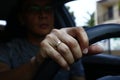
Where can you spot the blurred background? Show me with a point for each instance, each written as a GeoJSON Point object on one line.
{"type": "Point", "coordinates": [88, 13]}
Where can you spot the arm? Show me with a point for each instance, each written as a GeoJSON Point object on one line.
{"type": "Point", "coordinates": [24, 72]}
{"type": "Point", "coordinates": [72, 42]}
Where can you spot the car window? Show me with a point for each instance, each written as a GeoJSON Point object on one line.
{"type": "Point", "coordinates": [87, 18]}
{"type": "Point", "coordinates": [80, 11]}
{"type": "Point", "coordinates": [111, 46]}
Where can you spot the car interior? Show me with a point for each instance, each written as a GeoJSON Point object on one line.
{"type": "Point", "coordinates": [95, 66]}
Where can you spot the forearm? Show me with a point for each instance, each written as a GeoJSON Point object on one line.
{"type": "Point", "coordinates": [24, 72]}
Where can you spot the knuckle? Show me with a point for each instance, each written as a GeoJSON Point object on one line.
{"type": "Point", "coordinates": [80, 30]}
{"type": "Point", "coordinates": [49, 36]}
{"type": "Point", "coordinates": [72, 43]}
{"type": "Point", "coordinates": [65, 50]}
{"type": "Point", "coordinates": [43, 43]}
{"type": "Point", "coordinates": [55, 31]}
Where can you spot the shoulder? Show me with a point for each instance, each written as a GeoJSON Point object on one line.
{"type": "Point", "coordinates": [6, 48]}
{"type": "Point", "coordinates": [10, 52]}
{"type": "Point", "coordinates": [15, 42]}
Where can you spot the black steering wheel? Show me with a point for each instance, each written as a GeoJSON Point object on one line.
{"type": "Point", "coordinates": [49, 68]}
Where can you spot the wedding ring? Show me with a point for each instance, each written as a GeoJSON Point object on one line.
{"type": "Point", "coordinates": [58, 43]}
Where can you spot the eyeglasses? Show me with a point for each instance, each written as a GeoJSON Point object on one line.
{"type": "Point", "coordinates": [36, 9]}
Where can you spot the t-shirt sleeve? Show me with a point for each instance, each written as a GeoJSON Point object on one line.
{"type": "Point", "coordinates": [77, 69]}
{"type": "Point", "coordinates": [4, 54]}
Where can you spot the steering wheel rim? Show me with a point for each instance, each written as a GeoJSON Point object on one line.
{"type": "Point", "coordinates": [49, 68]}
{"type": "Point", "coordinates": [103, 31]}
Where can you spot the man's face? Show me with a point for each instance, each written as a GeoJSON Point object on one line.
{"type": "Point", "coordinates": [38, 17]}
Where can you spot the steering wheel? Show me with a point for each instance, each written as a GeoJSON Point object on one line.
{"type": "Point", "coordinates": [49, 68]}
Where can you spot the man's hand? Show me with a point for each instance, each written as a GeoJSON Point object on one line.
{"type": "Point", "coordinates": [65, 46]}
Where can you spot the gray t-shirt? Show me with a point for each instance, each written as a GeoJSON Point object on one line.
{"type": "Point", "coordinates": [19, 51]}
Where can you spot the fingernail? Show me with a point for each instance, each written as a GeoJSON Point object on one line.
{"type": "Point", "coordinates": [85, 51]}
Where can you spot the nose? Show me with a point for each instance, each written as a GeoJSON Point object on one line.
{"type": "Point", "coordinates": [42, 15]}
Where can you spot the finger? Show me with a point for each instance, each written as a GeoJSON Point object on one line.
{"type": "Point", "coordinates": [61, 47]}
{"type": "Point", "coordinates": [70, 42]}
{"type": "Point", "coordinates": [80, 34]}
{"type": "Point", "coordinates": [73, 45]}
{"type": "Point", "coordinates": [64, 50]}
{"type": "Point", "coordinates": [50, 51]}
{"type": "Point", "coordinates": [95, 49]}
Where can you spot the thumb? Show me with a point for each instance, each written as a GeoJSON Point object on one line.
{"type": "Point", "coordinates": [95, 49]}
